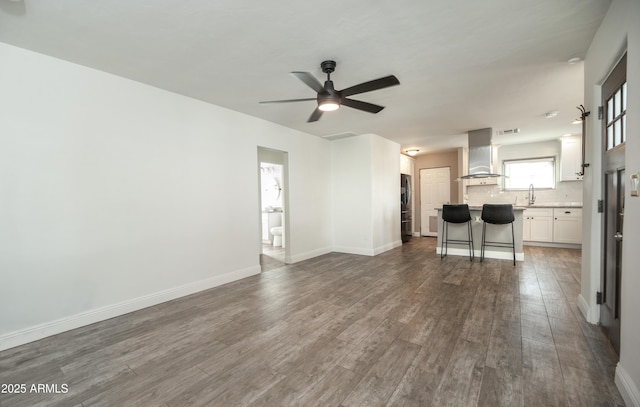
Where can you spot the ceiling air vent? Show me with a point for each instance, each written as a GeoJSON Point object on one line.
{"type": "Point", "coordinates": [508, 131]}
{"type": "Point", "coordinates": [340, 136]}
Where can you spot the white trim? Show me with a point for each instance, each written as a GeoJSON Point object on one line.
{"type": "Point", "coordinates": [551, 244]}
{"type": "Point", "coordinates": [306, 256]}
{"type": "Point", "coordinates": [40, 331]}
{"type": "Point", "coordinates": [489, 254]}
{"type": "Point", "coordinates": [627, 388]}
{"type": "Point", "coordinates": [587, 313]}
{"type": "Point", "coordinates": [354, 250]}
{"type": "Point", "coordinates": [387, 247]}
{"type": "Point", "coordinates": [366, 251]}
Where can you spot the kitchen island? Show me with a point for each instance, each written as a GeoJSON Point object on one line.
{"type": "Point", "coordinates": [495, 233]}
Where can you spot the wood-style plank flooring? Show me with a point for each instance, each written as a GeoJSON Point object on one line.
{"type": "Point", "coordinates": [401, 329]}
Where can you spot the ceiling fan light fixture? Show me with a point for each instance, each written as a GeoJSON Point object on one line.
{"type": "Point", "coordinates": [328, 106]}
{"type": "Point", "coordinates": [328, 102]}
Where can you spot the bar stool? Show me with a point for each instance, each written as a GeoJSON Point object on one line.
{"type": "Point", "coordinates": [456, 214]}
{"type": "Point", "coordinates": [497, 214]}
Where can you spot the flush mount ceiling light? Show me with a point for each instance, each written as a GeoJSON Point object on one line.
{"type": "Point", "coordinates": [574, 60]}
{"type": "Point", "coordinates": [551, 115]}
{"type": "Point", "coordinates": [577, 121]}
{"type": "Point", "coordinates": [412, 152]}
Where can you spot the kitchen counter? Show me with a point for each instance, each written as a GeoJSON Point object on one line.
{"type": "Point", "coordinates": [552, 205]}
{"type": "Point", "coordinates": [495, 233]}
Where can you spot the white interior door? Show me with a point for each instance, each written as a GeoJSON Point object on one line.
{"type": "Point", "coordinates": [435, 191]}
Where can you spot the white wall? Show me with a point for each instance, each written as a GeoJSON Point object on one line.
{"type": "Point", "coordinates": [385, 194]}
{"type": "Point", "coordinates": [352, 194]}
{"type": "Point", "coordinates": [111, 197]}
{"type": "Point", "coordinates": [366, 194]}
{"type": "Point", "coordinates": [619, 30]}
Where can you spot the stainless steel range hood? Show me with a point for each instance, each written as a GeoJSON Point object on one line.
{"type": "Point", "coordinates": [480, 160]}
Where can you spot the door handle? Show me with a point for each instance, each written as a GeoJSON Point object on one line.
{"type": "Point", "coordinates": [618, 236]}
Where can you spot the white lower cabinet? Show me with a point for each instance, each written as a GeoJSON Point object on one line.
{"type": "Point", "coordinates": [552, 225]}
{"type": "Point", "coordinates": [538, 225]}
{"type": "Point", "coordinates": [567, 225]}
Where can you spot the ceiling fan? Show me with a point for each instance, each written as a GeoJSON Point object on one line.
{"type": "Point", "coordinates": [330, 99]}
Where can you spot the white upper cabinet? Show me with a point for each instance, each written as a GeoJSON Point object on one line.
{"type": "Point", "coordinates": [571, 159]}
{"type": "Point", "coordinates": [483, 181]}
{"type": "Point", "coordinates": [406, 164]}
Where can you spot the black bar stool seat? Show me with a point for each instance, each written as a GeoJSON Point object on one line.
{"type": "Point", "coordinates": [498, 214]}
{"type": "Point", "coordinates": [456, 214]}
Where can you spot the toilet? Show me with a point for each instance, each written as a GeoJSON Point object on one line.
{"type": "Point", "coordinates": [276, 231]}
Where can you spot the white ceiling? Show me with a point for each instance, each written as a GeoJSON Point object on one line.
{"type": "Point", "coordinates": [462, 65]}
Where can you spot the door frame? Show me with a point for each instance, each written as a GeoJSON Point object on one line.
{"type": "Point", "coordinates": [613, 162]}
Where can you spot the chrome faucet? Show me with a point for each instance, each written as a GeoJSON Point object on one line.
{"type": "Point", "coordinates": [532, 197]}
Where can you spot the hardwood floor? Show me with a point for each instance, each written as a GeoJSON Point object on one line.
{"type": "Point", "coordinates": [402, 329]}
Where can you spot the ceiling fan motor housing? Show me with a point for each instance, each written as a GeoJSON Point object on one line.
{"type": "Point", "coordinates": [328, 66]}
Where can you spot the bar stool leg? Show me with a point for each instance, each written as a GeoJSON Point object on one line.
{"type": "Point", "coordinates": [484, 227]}
{"type": "Point", "coordinates": [513, 244]}
{"type": "Point", "coordinates": [444, 238]}
{"type": "Point", "coordinates": [471, 251]}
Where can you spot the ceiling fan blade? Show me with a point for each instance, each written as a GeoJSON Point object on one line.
{"type": "Point", "coordinates": [315, 116]}
{"type": "Point", "coordinates": [310, 80]}
{"type": "Point", "coordinates": [360, 105]}
{"type": "Point", "coordinates": [288, 100]}
{"type": "Point", "coordinates": [371, 85]}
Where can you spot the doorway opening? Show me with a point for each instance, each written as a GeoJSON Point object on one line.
{"type": "Point", "coordinates": [273, 205]}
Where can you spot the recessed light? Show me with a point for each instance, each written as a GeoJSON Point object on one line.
{"type": "Point", "coordinates": [574, 60]}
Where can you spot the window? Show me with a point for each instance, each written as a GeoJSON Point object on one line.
{"type": "Point", "coordinates": [616, 107]}
{"type": "Point", "coordinates": [540, 172]}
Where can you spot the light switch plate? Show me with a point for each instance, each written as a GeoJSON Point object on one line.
{"type": "Point", "coordinates": [634, 179]}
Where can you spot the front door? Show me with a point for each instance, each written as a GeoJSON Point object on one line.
{"type": "Point", "coordinates": [435, 191]}
{"type": "Point", "coordinates": [615, 106]}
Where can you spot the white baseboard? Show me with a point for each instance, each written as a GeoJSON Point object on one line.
{"type": "Point", "coordinates": [387, 247]}
{"type": "Point", "coordinates": [306, 256]}
{"type": "Point", "coordinates": [627, 388]}
{"type": "Point", "coordinates": [365, 251]}
{"type": "Point", "coordinates": [489, 254]}
{"type": "Point", "coordinates": [585, 309]}
{"type": "Point", "coordinates": [40, 331]}
{"type": "Point", "coordinates": [354, 250]}
{"type": "Point", "coordinates": [548, 244]}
